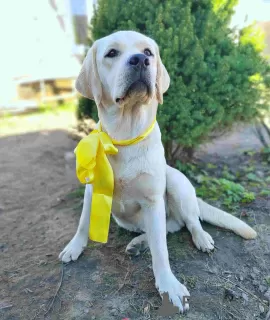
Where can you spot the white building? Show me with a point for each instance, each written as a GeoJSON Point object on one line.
{"type": "Point", "coordinates": [40, 40]}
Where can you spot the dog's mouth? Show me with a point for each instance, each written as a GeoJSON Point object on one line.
{"type": "Point", "coordinates": [137, 89]}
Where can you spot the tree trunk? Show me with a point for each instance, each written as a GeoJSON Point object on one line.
{"type": "Point", "coordinates": [177, 152]}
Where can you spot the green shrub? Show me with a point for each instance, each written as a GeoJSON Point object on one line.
{"type": "Point", "coordinates": [217, 76]}
{"type": "Point", "coordinates": [87, 109]}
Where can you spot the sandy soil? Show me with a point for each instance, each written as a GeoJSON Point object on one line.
{"type": "Point", "coordinates": [39, 210]}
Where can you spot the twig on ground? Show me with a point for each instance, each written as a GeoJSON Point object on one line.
{"type": "Point", "coordinates": [56, 293]}
{"type": "Point", "coordinates": [233, 315]}
{"type": "Point", "coordinates": [122, 285]}
{"type": "Point", "coordinates": [6, 306]}
{"type": "Point", "coordinates": [243, 289]}
{"type": "Point", "coordinates": [60, 201]}
{"type": "Point", "coordinates": [54, 297]}
{"type": "Point", "coordinates": [268, 315]}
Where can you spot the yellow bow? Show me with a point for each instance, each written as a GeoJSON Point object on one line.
{"type": "Point", "coordinates": [92, 166]}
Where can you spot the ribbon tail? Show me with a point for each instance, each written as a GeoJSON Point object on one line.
{"type": "Point", "coordinates": [100, 218]}
{"type": "Point", "coordinates": [101, 199]}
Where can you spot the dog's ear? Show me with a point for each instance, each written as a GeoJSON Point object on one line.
{"type": "Point", "coordinates": [163, 78]}
{"type": "Point", "coordinates": [88, 82]}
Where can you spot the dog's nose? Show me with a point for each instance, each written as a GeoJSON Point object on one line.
{"type": "Point", "coordinates": [139, 60]}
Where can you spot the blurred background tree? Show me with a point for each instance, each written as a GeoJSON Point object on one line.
{"type": "Point", "coordinates": [218, 76]}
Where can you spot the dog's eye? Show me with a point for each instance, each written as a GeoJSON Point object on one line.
{"type": "Point", "coordinates": [112, 53]}
{"type": "Point", "coordinates": [148, 52]}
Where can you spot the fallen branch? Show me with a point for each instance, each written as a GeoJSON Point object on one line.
{"type": "Point", "coordinates": [54, 297]}
{"type": "Point", "coordinates": [56, 293]}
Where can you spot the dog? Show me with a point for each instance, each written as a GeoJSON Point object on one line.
{"type": "Point", "coordinates": [124, 74]}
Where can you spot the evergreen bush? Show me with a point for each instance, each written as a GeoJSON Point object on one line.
{"type": "Point", "coordinates": [217, 76]}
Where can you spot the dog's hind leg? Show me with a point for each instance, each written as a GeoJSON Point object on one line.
{"type": "Point", "coordinates": [139, 244]}
{"type": "Point", "coordinates": [183, 207]}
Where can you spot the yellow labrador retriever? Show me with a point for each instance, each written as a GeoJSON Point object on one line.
{"type": "Point", "coordinates": [125, 76]}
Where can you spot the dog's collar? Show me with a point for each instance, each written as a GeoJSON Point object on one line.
{"type": "Point", "coordinates": [93, 166]}
{"type": "Point", "coordinates": [129, 142]}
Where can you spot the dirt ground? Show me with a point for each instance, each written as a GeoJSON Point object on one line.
{"type": "Point", "coordinates": [39, 210]}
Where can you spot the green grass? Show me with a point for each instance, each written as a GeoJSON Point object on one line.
{"type": "Point", "coordinates": [190, 281]}
{"type": "Point", "coordinates": [52, 108]}
{"type": "Point", "coordinates": [77, 193]}
{"type": "Point", "coordinates": [46, 117]}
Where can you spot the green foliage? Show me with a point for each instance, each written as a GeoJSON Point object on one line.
{"type": "Point", "coordinates": [210, 187]}
{"type": "Point", "coordinates": [87, 109]}
{"type": "Point", "coordinates": [265, 192]}
{"type": "Point", "coordinates": [267, 280]}
{"type": "Point", "coordinates": [229, 192]}
{"type": "Point", "coordinates": [217, 77]}
{"type": "Point", "coordinates": [266, 154]}
{"type": "Point", "coordinates": [253, 177]}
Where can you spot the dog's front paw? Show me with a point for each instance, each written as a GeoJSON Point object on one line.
{"type": "Point", "coordinates": [177, 292]}
{"type": "Point", "coordinates": [202, 240]}
{"type": "Point", "coordinates": [73, 250]}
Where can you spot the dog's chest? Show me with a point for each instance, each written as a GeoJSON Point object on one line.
{"type": "Point", "coordinates": [138, 172]}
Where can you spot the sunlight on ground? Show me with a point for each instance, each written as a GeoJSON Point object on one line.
{"type": "Point", "coordinates": [46, 118]}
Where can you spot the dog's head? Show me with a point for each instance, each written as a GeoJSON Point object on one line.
{"type": "Point", "coordinates": [123, 68]}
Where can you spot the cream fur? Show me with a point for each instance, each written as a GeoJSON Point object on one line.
{"type": "Point", "coordinates": [149, 196]}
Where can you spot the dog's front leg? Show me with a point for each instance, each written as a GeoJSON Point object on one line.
{"type": "Point", "coordinates": [75, 247]}
{"type": "Point", "coordinates": [155, 227]}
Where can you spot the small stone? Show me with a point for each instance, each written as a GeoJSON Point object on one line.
{"type": "Point", "coordinates": [96, 277]}
{"type": "Point", "coordinates": [3, 247]}
{"type": "Point", "coordinates": [93, 317]}
{"type": "Point", "coordinates": [262, 288]}
{"type": "Point", "coordinates": [245, 297]}
{"type": "Point", "coordinates": [241, 278]}
{"type": "Point", "coordinates": [86, 310]}
{"type": "Point", "coordinates": [267, 294]}
{"type": "Point", "coordinates": [230, 294]}
{"type": "Point", "coordinates": [253, 275]}
{"type": "Point", "coordinates": [261, 307]}
{"type": "Point", "coordinates": [69, 156]}
{"type": "Point", "coordinates": [256, 270]}
{"type": "Point", "coordinates": [255, 283]}
{"type": "Point", "coordinates": [122, 308]}
{"type": "Point", "coordinates": [114, 312]}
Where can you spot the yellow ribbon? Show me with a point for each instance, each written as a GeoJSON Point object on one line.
{"type": "Point", "coordinates": [93, 166]}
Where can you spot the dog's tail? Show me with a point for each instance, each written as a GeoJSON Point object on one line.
{"type": "Point", "coordinates": [225, 220]}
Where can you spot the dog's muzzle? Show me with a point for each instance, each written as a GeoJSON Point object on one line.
{"type": "Point", "coordinates": [139, 83]}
